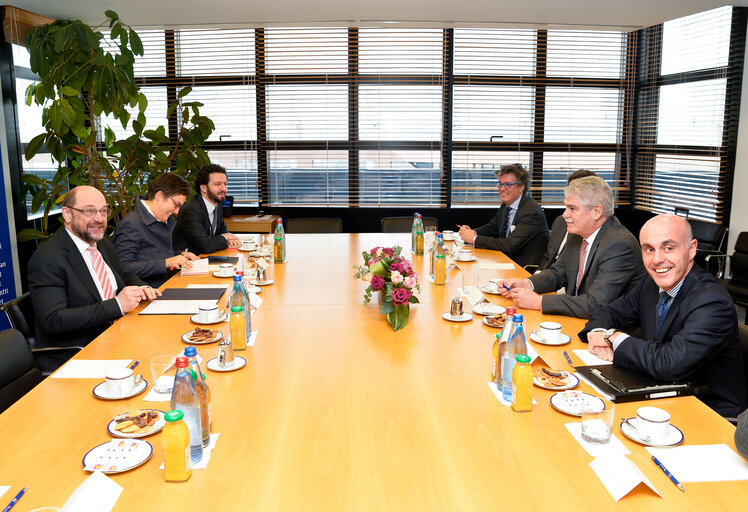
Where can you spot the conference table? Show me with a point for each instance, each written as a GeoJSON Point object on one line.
{"type": "Point", "coordinates": [336, 411]}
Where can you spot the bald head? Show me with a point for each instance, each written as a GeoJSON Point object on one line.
{"type": "Point", "coordinates": [668, 249]}
{"type": "Point", "coordinates": [82, 211]}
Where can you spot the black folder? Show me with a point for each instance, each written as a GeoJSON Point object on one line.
{"type": "Point", "coordinates": [629, 386]}
{"type": "Point", "coordinates": [206, 294]}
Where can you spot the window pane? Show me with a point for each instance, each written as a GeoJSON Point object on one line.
{"type": "Point", "coordinates": [306, 50]}
{"type": "Point", "coordinates": [692, 113]}
{"type": "Point", "coordinates": [473, 178]}
{"type": "Point", "coordinates": [700, 41]}
{"type": "Point", "coordinates": [307, 112]}
{"type": "Point", "coordinates": [29, 116]}
{"type": "Point", "coordinates": [153, 61]}
{"type": "Point", "coordinates": [155, 113]}
{"type": "Point", "coordinates": [308, 177]}
{"type": "Point", "coordinates": [400, 112]}
{"type": "Point", "coordinates": [503, 112]}
{"type": "Point", "coordinates": [232, 109]}
{"type": "Point", "coordinates": [241, 170]}
{"type": "Point", "coordinates": [494, 52]}
{"type": "Point", "coordinates": [558, 166]}
{"type": "Point", "coordinates": [21, 56]}
{"type": "Point", "coordinates": [586, 54]}
{"type": "Point", "coordinates": [215, 52]}
{"type": "Point", "coordinates": [582, 114]}
{"type": "Point", "coordinates": [408, 178]}
{"type": "Point", "coordinates": [45, 167]}
{"type": "Point", "coordinates": [400, 51]}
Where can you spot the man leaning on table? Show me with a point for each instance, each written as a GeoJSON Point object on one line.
{"type": "Point", "coordinates": [601, 261]}
{"type": "Point", "coordinates": [519, 228]}
{"type": "Point", "coordinates": [77, 285]}
{"type": "Point", "coordinates": [200, 227]}
{"type": "Point", "coordinates": [689, 329]}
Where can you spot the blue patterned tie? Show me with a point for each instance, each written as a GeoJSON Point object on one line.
{"type": "Point", "coordinates": [505, 227]}
{"type": "Point", "coordinates": [662, 307]}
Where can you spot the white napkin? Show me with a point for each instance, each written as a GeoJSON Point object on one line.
{"type": "Point", "coordinates": [614, 446]}
{"type": "Point", "coordinates": [485, 265]}
{"type": "Point", "coordinates": [3, 489]}
{"type": "Point", "coordinates": [89, 368]}
{"type": "Point", "coordinates": [619, 475]}
{"type": "Point", "coordinates": [497, 393]}
{"type": "Point", "coordinates": [702, 463]}
{"type": "Point", "coordinates": [98, 493]}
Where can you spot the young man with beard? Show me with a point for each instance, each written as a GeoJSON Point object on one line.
{"type": "Point", "coordinates": [200, 227]}
{"type": "Point", "coordinates": [77, 285]}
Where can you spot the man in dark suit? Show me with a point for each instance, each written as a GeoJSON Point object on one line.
{"type": "Point", "coordinates": [689, 329]}
{"type": "Point", "coordinates": [200, 227]}
{"type": "Point", "coordinates": [601, 261]}
{"type": "Point", "coordinates": [77, 285]}
{"type": "Point", "coordinates": [519, 229]}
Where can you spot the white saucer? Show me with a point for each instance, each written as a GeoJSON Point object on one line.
{"type": "Point", "coordinates": [186, 339]}
{"type": "Point", "coordinates": [239, 362]}
{"type": "Point", "coordinates": [486, 308]}
{"type": "Point", "coordinates": [99, 391]}
{"type": "Point", "coordinates": [157, 427]}
{"type": "Point", "coordinates": [570, 402]}
{"type": "Point", "coordinates": [490, 290]}
{"type": "Point", "coordinates": [464, 318]}
{"type": "Point", "coordinates": [673, 437]}
{"type": "Point", "coordinates": [222, 318]}
{"type": "Point", "coordinates": [431, 279]}
{"type": "Point", "coordinates": [252, 249]}
{"type": "Point", "coordinates": [468, 260]}
{"type": "Point", "coordinates": [261, 283]}
{"type": "Point", "coordinates": [563, 340]}
{"type": "Point", "coordinates": [217, 274]}
{"type": "Point", "coordinates": [573, 382]}
{"type": "Point", "coordinates": [117, 455]}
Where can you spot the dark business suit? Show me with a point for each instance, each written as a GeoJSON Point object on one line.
{"type": "Point", "coordinates": [67, 305]}
{"type": "Point", "coordinates": [192, 231]}
{"type": "Point", "coordinates": [528, 238]}
{"type": "Point", "coordinates": [614, 266]}
{"type": "Point", "coordinates": [558, 232]}
{"type": "Point", "coordinates": [698, 340]}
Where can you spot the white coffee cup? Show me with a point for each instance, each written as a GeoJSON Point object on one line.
{"type": "Point", "coordinates": [208, 313]}
{"type": "Point", "coordinates": [225, 269]}
{"type": "Point", "coordinates": [464, 254]}
{"type": "Point", "coordinates": [119, 381]}
{"type": "Point", "coordinates": [448, 235]}
{"type": "Point", "coordinates": [652, 423]}
{"type": "Point", "coordinates": [248, 245]}
{"type": "Point", "coordinates": [550, 332]}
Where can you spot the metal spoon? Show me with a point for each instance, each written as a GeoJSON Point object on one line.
{"type": "Point", "coordinates": [138, 380]}
{"type": "Point", "coordinates": [641, 436]}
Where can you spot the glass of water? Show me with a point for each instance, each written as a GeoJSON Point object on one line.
{"type": "Point", "coordinates": [597, 420]}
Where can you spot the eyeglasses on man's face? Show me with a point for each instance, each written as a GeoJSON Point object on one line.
{"type": "Point", "coordinates": [91, 212]}
{"type": "Point", "coordinates": [508, 185]}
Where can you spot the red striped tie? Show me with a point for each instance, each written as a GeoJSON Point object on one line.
{"type": "Point", "coordinates": [100, 270]}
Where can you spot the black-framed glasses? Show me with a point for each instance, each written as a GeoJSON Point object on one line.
{"type": "Point", "coordinates": [508, 185]}
{"type": "Point", "coordinates": [91, 212]}
{"type": "Point", "coordinates": [177, 204]}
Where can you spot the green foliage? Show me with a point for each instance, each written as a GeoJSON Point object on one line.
{"type": "Point", "coordinates": [84, 75]}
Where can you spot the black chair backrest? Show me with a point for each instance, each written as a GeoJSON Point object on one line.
{"type": "Point", "coordinates": [743, 329]}
{"type": "Point", "coordinates": [405, 224]}
{"type": "Point", "coordinates": [315, 225]}
{"type": "Point", "coordinates": [710, 236]}
{"type": "Point", "coordinates": [18, 371]}
{"type": "Point", "coordinates": [21, 315]}
{"type": "Point", "coordinates": [739, 260]}
{"type": "Point", "coordinates": [228, 206]}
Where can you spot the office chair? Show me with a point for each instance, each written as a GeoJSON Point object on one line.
{"type": "Point", "coordinates": [314, 225]}
{"type": "Point", "coordinates": [711, 238]}
{"type": "Point", "coordinates": [405, 224]}
{"type": "Point", "coordinates": [18, 371]}
{"type": "Point", "coordinates": [736, 281]}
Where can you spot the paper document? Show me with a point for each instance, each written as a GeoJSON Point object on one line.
{"type": "Point", "coordinates": [97, 493]}
{"type": "Point", "coordinates": [3, 489]}
{"type": "Point", "coordinates": [589, 358]}
{"type": "Point", "coordinates": [702, 463]}
{"type": "Point", "coordinates": [485, 265]}
{"type": "Point", "coordinates": [612, 447]}
{"type": "Point", "coordinates": [175, 307]}
{"type": "Point", "coordinates": [89, 368]}
{"type": "Point", "coordinates": [619, 475]}
{"type": "Point", "coordinates": [198, 267]}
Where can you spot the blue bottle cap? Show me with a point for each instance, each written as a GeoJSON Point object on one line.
{"type": "Point", "coordinates": [517, 318]}
{"type": "Point", "coordinates": [237, 277]}
{"type": "Point", "coordinates": [190, 352]}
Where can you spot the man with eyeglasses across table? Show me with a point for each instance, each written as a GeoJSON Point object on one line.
{"type": "Point", "coordinates": [519, 229]}
{"type": "Point", "coordinates": [143, 237]}
{"type": "Point", "coordinates": [77, 284]}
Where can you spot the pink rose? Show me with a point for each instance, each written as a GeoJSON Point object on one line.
{"type": "Point", "coordinates": [400, 296]}
{"type": "Point", "coordinates": [396, 277]}
{"type": "Point", "coordinates": [397, 267]}
{"type": "Point", "coordinates": [377, 282]}
{"type": "Point", "coordinates": [409, 282]}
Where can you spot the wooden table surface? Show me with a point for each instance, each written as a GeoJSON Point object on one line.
{"type": "Point", "coordinates": [335, 411]}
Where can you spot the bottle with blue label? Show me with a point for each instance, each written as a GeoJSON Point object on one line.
{"type": "Point", "coordinates": [515, 346]}
{"type": "Point", "coordinates": [184, 398]}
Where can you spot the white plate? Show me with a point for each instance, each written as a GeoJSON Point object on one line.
{"type": "Point", "coordinates": [262, 283]}
{"type": "Point", "coordinates": [117, 455]}
{"type": "Point", "coordinates": [156, 427]}
{"type": "Point", "coordinates": [471, 258]}
{"type": "Point", "coordinates": [222, 318]}
{"type": "Point", "coordinates": [673, 436]}
{"type": "Point", "coordinates": [573, 382]}
{"type": "Point", "coordinates": [239, 362]}
{"type": "Point", "coordinates": [563, 339]}
{"type": "Point", "coordinates": [492, 290]}
{"type": "Point", "coordinates": [99, 391]}
{"type": "Point", "coordinates": [486, 308]}
{"type": "Point", "coordinates": [570, 402]}
{"type": "Point", "coordinates": [464, 318]}
{"type": "Point", "coordinates": [186, 339]}
{"type": "Point", "coordinates": [217, 274]}
{"type": "Point", "coordinates": [254, 289]}
{"type": "Point", "coordinates": [485, 318]}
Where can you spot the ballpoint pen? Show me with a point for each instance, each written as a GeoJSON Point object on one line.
{"type": "Point", "coordinates": [506, 287]}
{"type": "Point", "coordinates": [669, 475]}
{"type": "Point", "coordinates": [566, 355]}
{"type": "Point", "coordinates": [136, 363]}
{"type": "Point", "coordinates": [14, 500]}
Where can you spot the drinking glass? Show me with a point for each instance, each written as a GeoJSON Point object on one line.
{"type": "Point", "coordinates": [429, 236]}
{"type": "Point", "coordinates": [470, 277]}
{"type": "Point", "coordinates": [163, 369]}
{"type": "Point", "coordinates": [597, 423]}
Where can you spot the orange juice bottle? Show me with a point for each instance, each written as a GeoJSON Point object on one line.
{"type": "Point", "coordinates": [440, 270]}
{"type": "Point", "coordinates": [522, 384]}
{"type": "Point", "coordinates": [237, 323]}
{"type": "Point", "coordinates": [175, 442]}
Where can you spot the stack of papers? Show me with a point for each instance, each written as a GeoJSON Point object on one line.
{"type": "Point", "coordinates": [198, 267]}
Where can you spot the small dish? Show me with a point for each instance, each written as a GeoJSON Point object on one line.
{"type": "Point", "coordinates": [673, 437]}
{"type": "Point", "coordinates": [156, 427]}
{"type": "Point", "coordinates": [492, 290]}
{"type": "Point", "coordinates": [117, 456]}
{"type": "Point", "coordinates": [262, 283]}
{"type": "Point", "coordinates": [249, 249]}
{"type": "Point", "coordinates": [186, 339]}
{"type": "Point", "coordinates": [574, 382]}
{"type": "Point", "coordinates": [222, 318]}
{"type": "Point", "coordinates": [486, 308]}
{"type": "Point", "coordinates": [563, 340]}
{"type": "Point", "coordinates": [99, 391]}
{"type": "Point", "coordinates": [239, 363]}
{"type": "Point", "coordinates": [468, 259]}
{"type": "Point", "coordinates": [218, 274]}
{"type": "Point", "coordinates": [570, 402]}
{"type": "Point", "coordinates": [464, 318]}
{"type": "Point", "coordinates": [486, 322]}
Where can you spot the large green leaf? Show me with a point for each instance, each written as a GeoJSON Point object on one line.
{"type": "Point", "coordinates": [399, 316]}
{"type": "Point", "coordinates": [34, 146]}
{"type": "Point", "coordinates": [135, 43]}
{"type": "Point", "coordinates": [32, 179]}
{"type": "Point", "coordinates": [27, 234]}
{"type": "Point", "coordinates": [184, 92]}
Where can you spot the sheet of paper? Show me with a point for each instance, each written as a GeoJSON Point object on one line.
{"type": "Point", "coordinates": [500, 398]}
{"type": "Point", "coordinates": [98, 493]}
{"type": "Point", "coordinates": [198, 267]}
{"type": "Point", "coordinates": [175, 307]}
{"type": "Point", "coordinates": [89, 368]}
{"type": "Point", "coordinates": [614, 446]}
{"type": "Point", "coordinates": [594, 386]}
{"type": "Point", "coordinates": [155, 396]}
{"type": "Point", "coordinates": [589, 358]}
{"type": "Point", "coordinates": [619, 475]}
{"type": "Point", "coordinates": [255, 300]}
{"type": "Point", "coordinates": [702, 463]}
{"type": "Point", "coordinates": [3, 489]}
{"type": "Point", "coordinates": [206, 454]}
{"type": "Point", "coordinates": [487, 265]}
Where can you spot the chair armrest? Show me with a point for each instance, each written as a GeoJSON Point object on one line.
{"type": "Point", "coordinates": [721, 263]}
{"type": "Point", "coordinates": [531, 268]}
{"type": "Point", "coordinates": [56, 349]}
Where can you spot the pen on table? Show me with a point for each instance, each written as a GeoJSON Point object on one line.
{"type": "Point", "coordinates": [566, 355]}
{"type": "Point", "coordinates": [136, 363]}
{"type": "Point", "coordinates": [14, 500]}
{"type": "Point", "coordinates": [669, 475]}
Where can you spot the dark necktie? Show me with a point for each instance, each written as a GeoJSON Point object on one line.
{"type": "Point", "coordinates": [214, 224]}
{"type": "Point", "coordinates": [505, 227]}
{"type": "Point", "coordinates": [662, 308]}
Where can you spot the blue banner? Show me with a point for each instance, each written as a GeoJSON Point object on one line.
{"type": "Point", "coordinates": [8, 289]}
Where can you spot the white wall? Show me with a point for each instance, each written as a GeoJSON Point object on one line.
{"type": "Point", "coordinates": [739, 212]}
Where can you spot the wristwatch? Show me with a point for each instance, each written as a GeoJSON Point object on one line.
{"type": "Point", "coordinates": [607, 336]}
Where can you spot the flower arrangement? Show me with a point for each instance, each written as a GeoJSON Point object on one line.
{"type": "Point", "coordinates": [394, 278]}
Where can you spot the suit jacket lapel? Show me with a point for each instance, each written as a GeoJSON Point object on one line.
{"type": "Point", "coordinates": [684, 290]}
{"type": "Point", "coordinates": [573, 247]}
{"type": "Point", "coordinates": [79, 266]}
{"type": "Point", "coordinates": [592, 251]}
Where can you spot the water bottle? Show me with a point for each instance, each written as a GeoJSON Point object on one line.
{"type": "Point", "coordinates": [514, 347]}
{"type": "Point", "coordinates": [239, 304]}
{"type": "Point", "coordinates": [501, 347]}
{"type": "Point", "coordinates": [413, 229]}
{"type": "Point", "coordinates": [279, 245]}
{"type": "Point", "coordinates": [184, 398]}
{"type": "Point", "coordinates": [435, 248]}
{"type": "Point", "coordinates": [203, 392]}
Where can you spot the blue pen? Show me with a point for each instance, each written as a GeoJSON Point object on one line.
{"type": "Point", "coordinates": [506, 287]}
{"type": "Point", "coordinates": [136, 363]}
{"type": "Point", "coordinates": [14, 500]}
{"type": "Point", "coordinates": [566, 355]}
{"type": "Point", "coordinates": [669, 475]}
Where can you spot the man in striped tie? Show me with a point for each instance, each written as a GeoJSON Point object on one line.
{"type": "Point", "coordinates": [77, 285]}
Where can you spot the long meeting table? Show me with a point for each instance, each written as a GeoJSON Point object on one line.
{"type": "Point", "coordinates": [336, 411]}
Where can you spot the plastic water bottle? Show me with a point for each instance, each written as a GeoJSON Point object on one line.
{"type": "Point", "coordinates": [503, 339]}
{"type": "Point", "coordinates": [413, 230]}
{"type": "Point", "coordinates": [437, 246]}
{"type": "Point", "coordinates": [240, 299]}
{"type": "Point", "coordinates": [184, 398]}
{"type": "Point", "coordinates": [514, 347]}
{"type": "Point", "coordinates": [279, 245]}
{"type": "Point", "coordinates": [203, 392]}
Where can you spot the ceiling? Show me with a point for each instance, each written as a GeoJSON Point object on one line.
{"type": "Point", "coordinates": [613, 14]}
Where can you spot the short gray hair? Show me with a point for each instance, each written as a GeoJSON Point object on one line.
{"type": "Point", "coordinates": [591, 191]}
